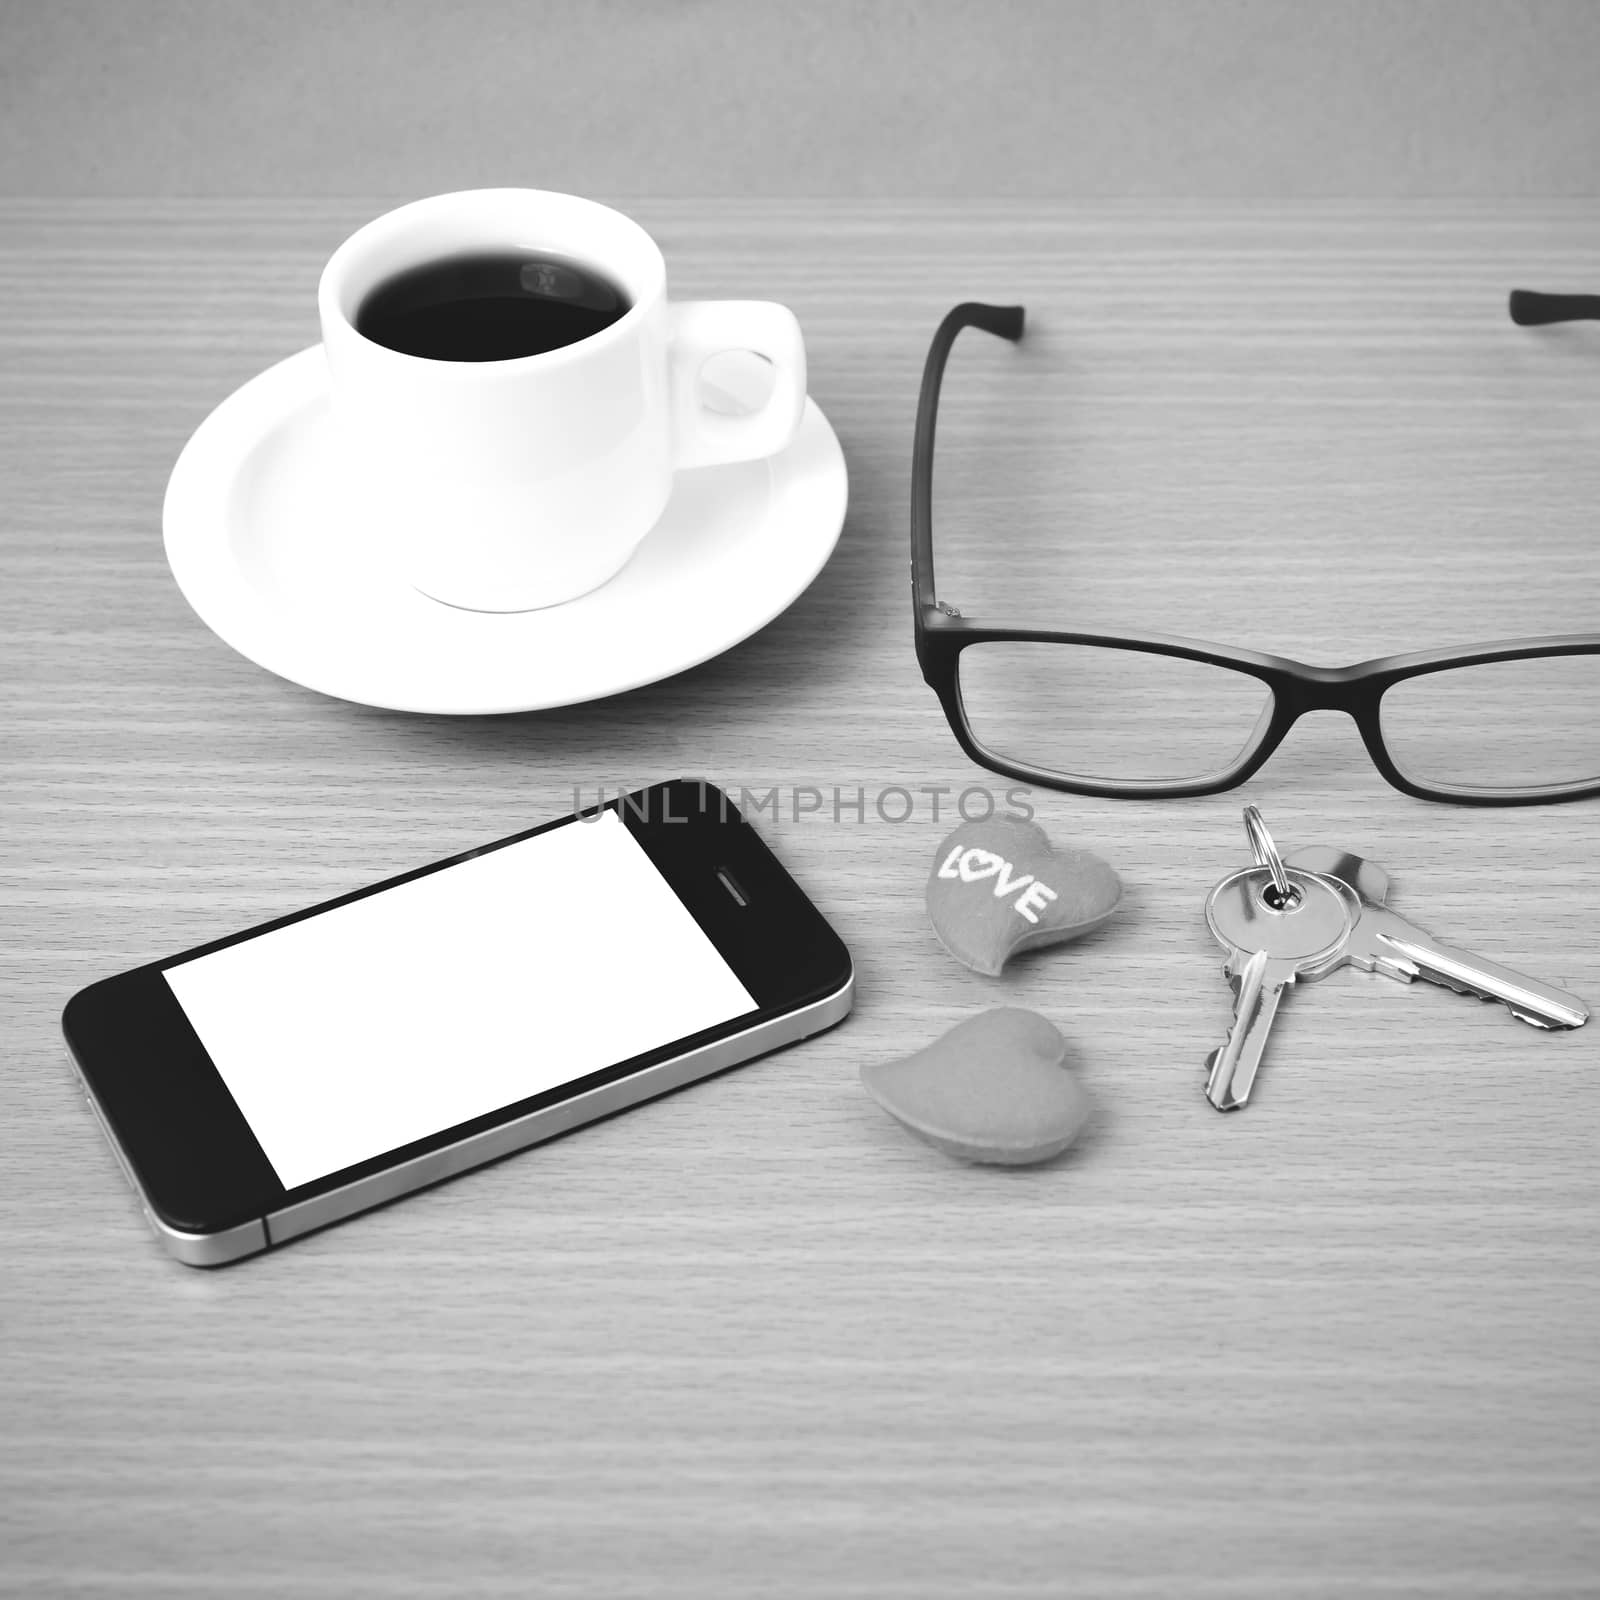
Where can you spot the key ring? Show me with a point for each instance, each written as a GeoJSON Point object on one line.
{"type": "Point", "coordinates": [1266, 854]}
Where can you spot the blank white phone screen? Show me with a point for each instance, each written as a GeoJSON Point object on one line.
{"type": "Point", "coordinates": [357, 1031]}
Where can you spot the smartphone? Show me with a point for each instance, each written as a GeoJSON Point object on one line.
{"type": "Point", "coordinates": [267, 1084]}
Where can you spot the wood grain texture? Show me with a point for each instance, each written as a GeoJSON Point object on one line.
{"type": "Point", "coordinates": [753, 1339]}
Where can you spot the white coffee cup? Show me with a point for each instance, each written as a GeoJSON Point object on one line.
{"type": "Point", "coordinates": [515, 484]}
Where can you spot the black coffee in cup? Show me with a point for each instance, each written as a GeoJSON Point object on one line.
{"type": "Point", "coordinates": [492, 306]}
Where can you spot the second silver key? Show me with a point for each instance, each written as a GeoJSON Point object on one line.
{"type": "Point", "coordinates": [1384, 941]}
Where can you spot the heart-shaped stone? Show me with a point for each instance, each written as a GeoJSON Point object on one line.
{"type": "Point", "coordinates": [995, 1088]}
{"type": "Point", "coordinates": [999, 886]}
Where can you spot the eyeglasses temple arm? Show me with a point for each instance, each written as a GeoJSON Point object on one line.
{"type": "Point", "coordinates": [1006, 323]}
{"type": "Point", "coordinates": [1530, 309]}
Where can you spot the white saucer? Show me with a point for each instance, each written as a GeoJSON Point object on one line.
{"type": "Point", "coordinates": [276, 552]}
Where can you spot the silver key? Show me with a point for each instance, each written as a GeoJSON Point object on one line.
{"type": "Point", "coordinates": [1384, 941]}
{"type": "Point", "coordinates": [1270, 945]}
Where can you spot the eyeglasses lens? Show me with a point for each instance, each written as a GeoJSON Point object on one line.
{"type": "Point", "coordinates": [1525, 725]}
{"type": "Point", "coordinates": [1110, 715]}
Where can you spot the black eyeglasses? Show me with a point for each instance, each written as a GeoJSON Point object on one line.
{"type": "Point", "coordinates": [1150, 716]}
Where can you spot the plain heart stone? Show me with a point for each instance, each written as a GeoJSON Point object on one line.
{"type": "Point", "coordinates": [995, 1088]}
{"type": "Point", "coordinates": [999, 886]}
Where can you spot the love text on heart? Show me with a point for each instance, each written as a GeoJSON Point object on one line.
{"type": "Point", "coordinates": [972, 865]}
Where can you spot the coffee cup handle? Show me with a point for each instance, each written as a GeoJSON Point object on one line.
{"type": "Point", "coordinates": [701, 329]}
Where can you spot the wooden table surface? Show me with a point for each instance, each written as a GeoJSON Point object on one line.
{"type": "Point", "coordinates": [753, 1339]}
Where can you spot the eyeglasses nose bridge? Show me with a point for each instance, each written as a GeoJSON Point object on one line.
{"type": "Point", "coordinates": [1319, 689]}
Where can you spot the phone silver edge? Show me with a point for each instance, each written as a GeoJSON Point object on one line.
{"type": "Point", "coordinates": [278, 1227]}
